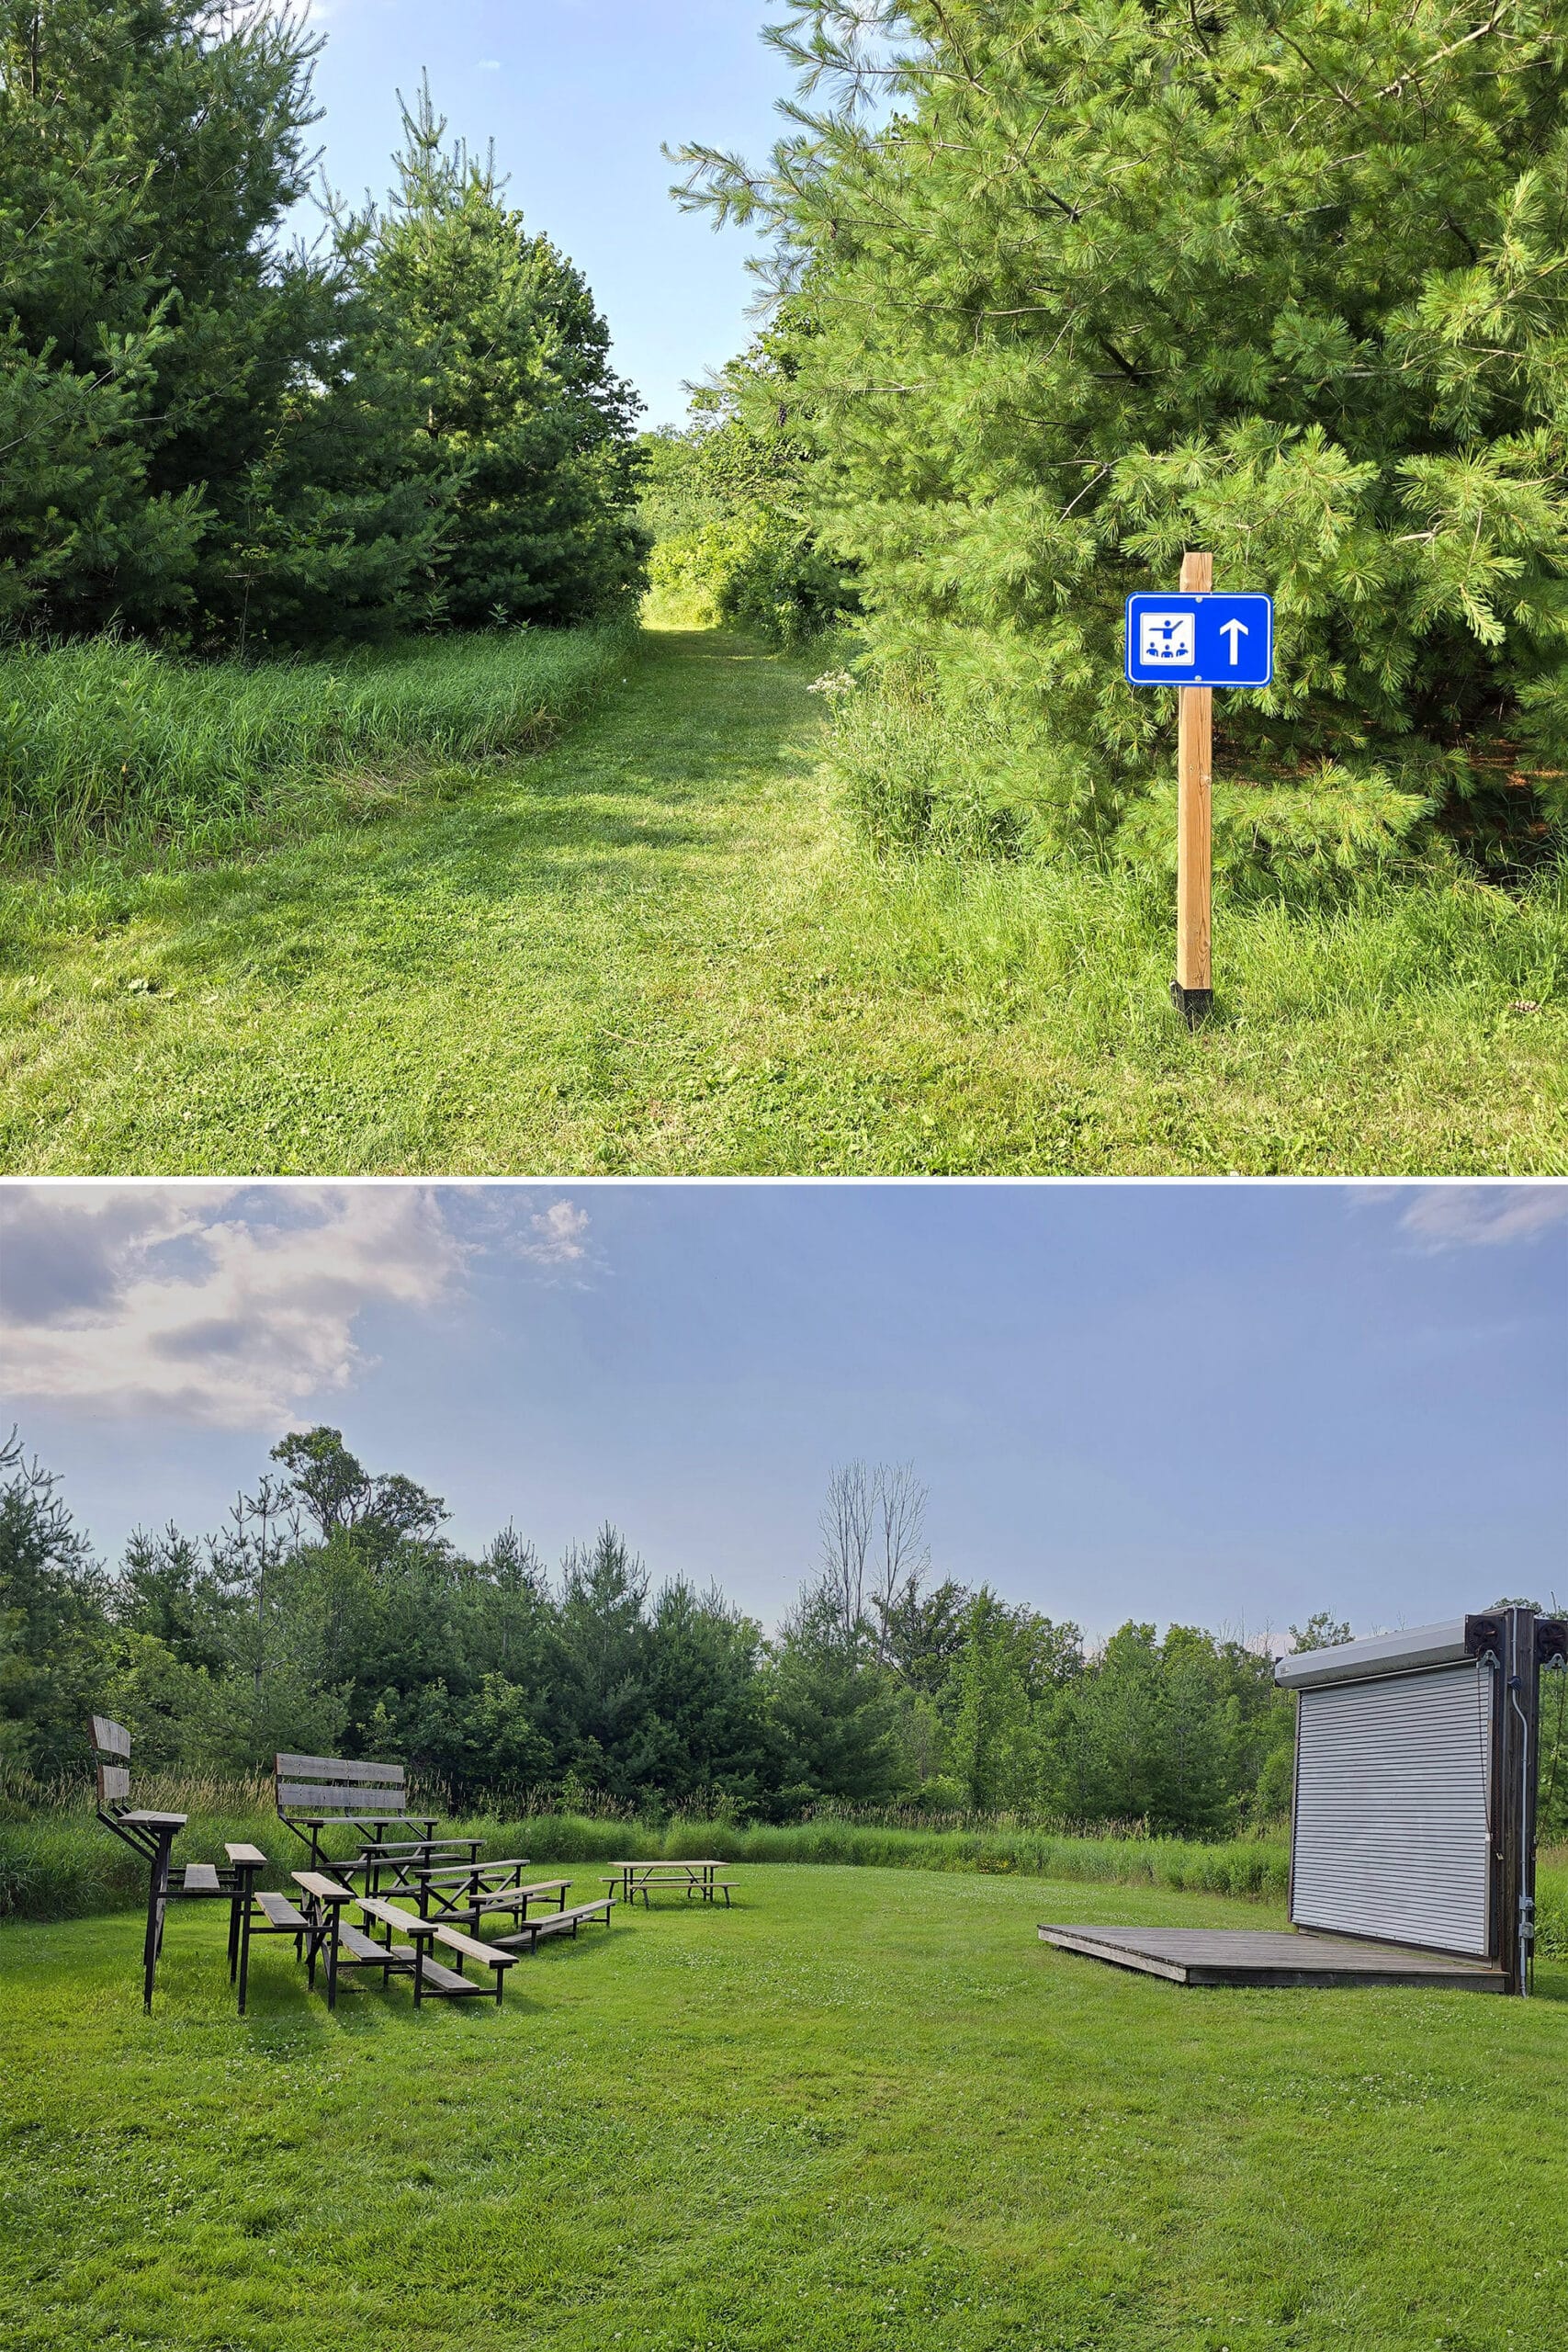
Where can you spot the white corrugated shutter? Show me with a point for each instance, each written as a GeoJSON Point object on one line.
{"type": "Point", "coordinates": [1391, 1833]}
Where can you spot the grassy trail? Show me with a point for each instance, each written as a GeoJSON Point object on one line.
{"type": "Point", "coordinates": [659, 948]}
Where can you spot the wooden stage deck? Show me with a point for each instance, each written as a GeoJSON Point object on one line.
{"type": "Point", "coordinates": [1248, 1956]}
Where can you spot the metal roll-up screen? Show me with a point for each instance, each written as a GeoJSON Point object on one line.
{"type": "Point", "coordinates": [1391, 1830]}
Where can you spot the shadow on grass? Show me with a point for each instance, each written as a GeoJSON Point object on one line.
{"type": "Point", "coordinates": [285, 2018]}
{"type": "Point", "coordinates": [279, 1998]}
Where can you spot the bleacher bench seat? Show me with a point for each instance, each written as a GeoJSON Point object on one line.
{"type": "Point", "coordinates": [531, 1934]}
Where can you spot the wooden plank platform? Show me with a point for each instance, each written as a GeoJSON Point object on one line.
{"type": "Point", "coordinates": [1260, 1956]}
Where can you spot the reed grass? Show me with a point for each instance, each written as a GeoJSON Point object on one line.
{"type": "Point", "coordinates": [58, 1863]}
{"type": "Point", "coordinates": [112, 743]}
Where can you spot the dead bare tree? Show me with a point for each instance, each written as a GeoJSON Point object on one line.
{"type": "Point", "coordinates": [902, 1553]}
{"type": "Point", "coordinates": [846, 1524]}
{"type": "Point", "coordinates": [873, 1545]}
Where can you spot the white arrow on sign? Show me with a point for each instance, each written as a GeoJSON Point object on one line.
{"type": "Point", "coordinates": [1235, 632]}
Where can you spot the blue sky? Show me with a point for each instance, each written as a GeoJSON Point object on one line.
{"type": "Point", "coordinates": [578, 96]}
{"type": "Point", "coordinates": [1219, 1402]}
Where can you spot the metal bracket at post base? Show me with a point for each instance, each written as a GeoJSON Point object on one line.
{"type": "Point", "coordinates": [1193, 1004]}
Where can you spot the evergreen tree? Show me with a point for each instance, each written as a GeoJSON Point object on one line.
{"type": "Point", "coordinates": [195, 426]}
{"type": "Point", "coordinates": [834, 1718]}
{"type": "Point", "coordinates": [521, 408]}
{"type": "Point", "coordinates": [149, 332]}
{"type": "Point", "coordinates": [54, 1634]}
{"type": "Point", "coordinates": [167, 1591]}
{"type": "Point", "coordinates": [1280, 279]}
{"type": "Point", "coordinates": [601, 1653]}
{"type": "Point", "coordinates": [707, 1743]}
{"type": "Point", "coordinates": [343, 521]}
{"type": "Point", "coordinates": [511, 1609]}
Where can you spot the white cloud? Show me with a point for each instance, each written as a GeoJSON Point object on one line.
{"type": "Point", "coordinates": [559, 1236]}
{"type": "Point", "coordinates": [1462, 1217]}
{"type": "Point", "coordinates": [220, 1305]}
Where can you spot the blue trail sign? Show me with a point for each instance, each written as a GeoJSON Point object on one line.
{"type": "Point", "coordinates": [1205, 641]}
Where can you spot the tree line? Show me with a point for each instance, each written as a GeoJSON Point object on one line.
{"type": "Point", "coordinates": [332, 1613]}
{"type": "Point", "coordinates": [213, 434]}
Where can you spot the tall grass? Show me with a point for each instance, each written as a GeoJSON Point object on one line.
{"type": "Point", "coordinates": [973, 888]}
{"type": "Point", "coordinates": [112, 742]}
{"type": "Point", "coordinates": [1090, 947]}
{"type": "Point", "coordinates": [58, 1863]}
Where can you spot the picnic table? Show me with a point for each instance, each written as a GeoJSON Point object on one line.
{"type": "Point", "coordinates": [695, 1878]}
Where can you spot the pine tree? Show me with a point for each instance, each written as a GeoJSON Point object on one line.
{"type": "Point", "coordinates": [342, 522]}
{"type": "Point", "coordinates": [521, 403]}
{"type": "Point", "coordinates": [148, 335]}
{"type": "Point", "coordinates": [54, 1636]}
{"type": "Point", "coordinates": [1280, 278]}
{"type": "Point", "coordinates": [705, 1743]}
{"type": "Point", "coordinates": [600, 1662]}
{"type": "Point", "coordinates": [833, 1714]}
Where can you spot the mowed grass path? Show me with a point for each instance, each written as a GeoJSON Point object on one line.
{"type": "Point", "coordinates": [864, 2108]}
{"type": "Point", "coordinates": [661, 948]}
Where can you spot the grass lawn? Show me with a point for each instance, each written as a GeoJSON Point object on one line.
{"type": "Point", "coordinates": [661, 948]}
{"type": "Point", "coordinates": [866, 2108]}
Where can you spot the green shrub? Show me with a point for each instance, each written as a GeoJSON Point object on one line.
{"type": "Point", "coordinates": [922, 770]}
{"type": "Point", "coordinates": [755, 569]}
{"type": "Point", "coordinates": [915, 776]}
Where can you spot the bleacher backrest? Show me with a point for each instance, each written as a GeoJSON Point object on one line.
{"type": "Point", "coordinates": [314, 1786]}
{"type": "Point", "coordinates": [109, 1740]}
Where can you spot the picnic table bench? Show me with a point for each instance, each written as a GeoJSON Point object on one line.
{"type": "Point", "coordinates": [429, 1974]}
{"type": "Point", "coordinates": [244, 1861]}
{"type": "Point", "coordinates": [397, 1868]}
{"type": "Point", "coordinates": [695, 1878]}
{"type": "Point", "coordinates": [330, 1936]}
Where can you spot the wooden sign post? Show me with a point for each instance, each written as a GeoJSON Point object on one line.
{"type": "Point", "coordinates": [1192, 990]}
{"type": "Point", "coordinates": [1194, 641]}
